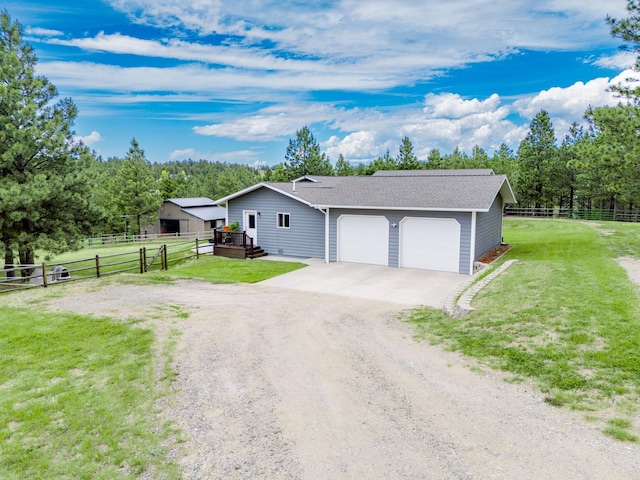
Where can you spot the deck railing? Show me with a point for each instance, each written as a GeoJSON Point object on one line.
{"type": "Point", "coordinates": [233, 239]}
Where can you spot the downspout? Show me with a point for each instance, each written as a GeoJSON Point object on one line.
{"type": "Point", "coordinates": [472, 249]}
{"type": "Point", "coordinates": [326, 234]}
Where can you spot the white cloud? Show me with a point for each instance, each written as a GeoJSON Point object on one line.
{"type": "Point", "coordinates": [90, 139]}
{"type": "Point", "coordinates": [183, 154]}
{"type": "Point", "coordinates": [568, 105]}
{"type": "Point", "coordinates": [43, 32]}
{"type": "Point", "coordinates": [276, 52]}
{"type": "Point", "coordinates": [355, 28]}
{"type": "Point", "coordinates": [269, 123]}
{"type": "Point", "coordinates": [619, 61]}
{"type": "Point", "coordinates": [356, 146]}
{"type": "Point", "coordinates": [349, 45]}
{"type": "Point", "coordinates": [451, 105]}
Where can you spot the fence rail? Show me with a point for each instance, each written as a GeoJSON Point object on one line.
{"type": "Point", "coordinates": [576, 213]}
{"type": "Point", "coordinates": [124, 238]}
{"type": "Point", "coordinates": [21, 277]}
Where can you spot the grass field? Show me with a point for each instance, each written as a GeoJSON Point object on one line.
{"type": "Point", "coordinates": [77, 398]}
{"type": "Point", "coordinates": [228, 270]}
{"type": "Point", "coordinates": [566, 316]}
{"type": "Point", "coordinates": [77, 393]}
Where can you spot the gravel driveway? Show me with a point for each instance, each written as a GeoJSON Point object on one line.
{"type": "Point", "coordinates": [282, 384]}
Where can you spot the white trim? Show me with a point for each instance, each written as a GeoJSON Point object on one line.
{"type": "Point", "coordinates": [411, 209]}
{"type": "Point", "coordinates": [472, 246]}
{"type": "Point", "coordinates": [257, 187]}
{"type": "Point", "coordinates": [245, 221]}
{"type": "Point", "coordinates": [283, 222]}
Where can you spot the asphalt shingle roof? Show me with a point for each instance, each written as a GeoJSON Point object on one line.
{"type": "Point", "coordinates": [444, 173]}
{"type": "Point", "coordinates": [466, 192]}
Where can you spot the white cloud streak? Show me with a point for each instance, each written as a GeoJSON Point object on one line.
{"type": "Point", "coordinates": [278, 52]}
{"type": "Point", "coordinates": [445, 121]}
{"type": "Point", "coordinates": [93, 137]}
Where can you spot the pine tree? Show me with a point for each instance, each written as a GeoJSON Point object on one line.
{"type": "Point", "coordinates": [45, 199]}
{"type": "Point", "coordinates": [537, 156]}
{"type": "Point", "coordinates": [303, 156]}
{"type": "Point", "coordinates": [134, 190]}
{"type": "Point", "coordinates": [406, 159]}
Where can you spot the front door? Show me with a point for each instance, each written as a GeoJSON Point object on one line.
{"type": "Point", "coordinates": [250, 224]}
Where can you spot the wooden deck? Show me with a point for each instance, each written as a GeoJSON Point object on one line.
{"type": "Point", "coordinates": [235, 245]}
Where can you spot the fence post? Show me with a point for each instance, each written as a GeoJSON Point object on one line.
{"type": "Point", "coordinates": [44, 275]}
{"type": "Point", "coordinates": [165, 265]}
{"type": "Point", "coordinates": [197, 250]}
{"type": "Point", "coordinates": [97, 266]}
{"type": "Point", "coordinates": [143, 260]}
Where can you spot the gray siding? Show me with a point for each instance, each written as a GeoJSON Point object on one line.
{"type": "Point", "coordinates": [489, 228]}
{"type": "Point", "coordinates": [395, 217]}
{"type": "Point", "coordinates": [304, 238]}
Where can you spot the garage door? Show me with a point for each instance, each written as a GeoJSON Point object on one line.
{"type": "Point", "coordinates": [430, 244]}
{"type": "Point", "coordinates": [363, 239]}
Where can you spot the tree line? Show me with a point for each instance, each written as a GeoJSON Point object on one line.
{"type": "Point", "coordinates": [54, 190]}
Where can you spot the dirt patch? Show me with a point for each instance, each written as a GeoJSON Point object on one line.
{"type": "Point", "coordinates": [281, 384]}
{"type": "Point", "coordinates": [632, 266]}
{"type": "Point", "coordinates": [494, 254]}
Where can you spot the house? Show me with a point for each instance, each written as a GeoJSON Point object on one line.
{"type": "Point", "coordinates": [430, 219]}
{"type": "Point", "coordinates": [189, 215]}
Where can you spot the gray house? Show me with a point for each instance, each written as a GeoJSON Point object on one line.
{"type": "Point", "coordinates": [430, 219]}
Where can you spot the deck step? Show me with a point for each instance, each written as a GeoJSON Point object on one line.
{"type": "Point", "coordinates": [257, 253]}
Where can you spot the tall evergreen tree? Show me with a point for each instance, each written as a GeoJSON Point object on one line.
{"type": "Point", "coordinates": [628, 29]}
{"type": "Point", "coordinates": [479, 158]}
{"type": "Point", "coordinates": [435, 160]}
{"type": "Point", "coordinates": [406, 159]}
{"type": "Point", "coordinates": [537, 156]}
{"type": "Point", "coordinates": [303, 156]}
{"type": "Point", "coordinates": [567, 154]}
{"type": "Point", "coordinates": [343, 168]}
{"type": "Point", "coordinates": [45, 199]}
{"type": "Point", "coordinates": [385, 162]}
{"type": "Point", "coordinates": [233, 179]}
{"type": "Point", "coordinates": [134, 190]}
{"type": "Point", "coordinates": [613, 154]}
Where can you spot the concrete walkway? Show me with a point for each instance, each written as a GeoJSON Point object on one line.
{"type": "Point", "coordinates": [406, 286]}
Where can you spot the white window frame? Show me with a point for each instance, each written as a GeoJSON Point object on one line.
{"type": "Point", "coordinates": [280, 220]}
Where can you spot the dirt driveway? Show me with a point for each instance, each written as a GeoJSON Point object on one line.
{"type": "Point", "coordinates": [282, 384]}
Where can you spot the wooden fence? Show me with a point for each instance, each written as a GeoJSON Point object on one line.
{"type": "Point", "coordinates": [124, 238]}
{"type": "Point", "coordinates": [576, 213]}
{"type": "Point", "coordinates": [22, 277]}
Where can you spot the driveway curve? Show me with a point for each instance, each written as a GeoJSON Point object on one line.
{"type": "Point", "coordinates": [276, 383]}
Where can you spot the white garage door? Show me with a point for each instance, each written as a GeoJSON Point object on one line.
{"type": "Point", "coordinates": [430, 244]}
{"type": "Point", "coordinates": [363, 239]}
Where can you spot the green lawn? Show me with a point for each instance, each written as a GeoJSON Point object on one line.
{"type": "Point", "coordinates": [77, 393]}
{"type": "Point", "coordinates": [228, 270]}
{"type": "Point", "coordinates": [77, 399]}
{"type": "Point", "coordinates": [565, 316]}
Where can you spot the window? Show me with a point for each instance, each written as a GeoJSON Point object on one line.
{"type": "Point", "coordinates": [283, 220]}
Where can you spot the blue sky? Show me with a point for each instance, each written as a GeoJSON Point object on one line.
{"type": "Point", "coordinates": [234, 81]}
